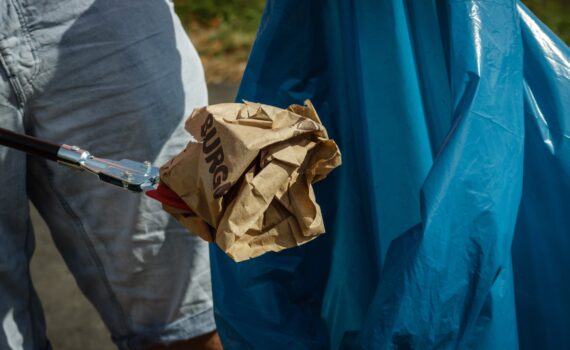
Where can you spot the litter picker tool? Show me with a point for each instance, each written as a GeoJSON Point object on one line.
{"type": "Point", "coordinates": [243, 182]}
{"type": "Point", "coordinates": [127, 174]}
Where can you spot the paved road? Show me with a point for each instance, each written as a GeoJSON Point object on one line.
{"type": "Point", "coordinates": [72, 322]}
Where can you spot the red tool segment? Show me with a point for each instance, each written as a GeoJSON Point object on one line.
{"type": "Point", "coordinates": [165, 195]}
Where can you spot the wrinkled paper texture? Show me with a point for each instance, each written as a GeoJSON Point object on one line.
{"type": "Point", "coordinates": [248, 175]}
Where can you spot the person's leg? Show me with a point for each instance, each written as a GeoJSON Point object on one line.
{"type": "Point", "coordinates": [118, 79]}
{"type": "Point", "coordinates": [21, 319]}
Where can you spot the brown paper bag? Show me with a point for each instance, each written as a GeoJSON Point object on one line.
{"type": "Point", "coordinates": [248, 174]}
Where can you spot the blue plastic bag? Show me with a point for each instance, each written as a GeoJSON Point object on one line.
{"type": "Point", "coordinates": [448, 225]}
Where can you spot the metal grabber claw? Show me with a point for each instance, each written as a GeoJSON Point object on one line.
{"type": "Point", "coordinates": [127, 174]}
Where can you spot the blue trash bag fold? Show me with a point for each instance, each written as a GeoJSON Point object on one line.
{"type": "Point", "coordinates": [447, 225]}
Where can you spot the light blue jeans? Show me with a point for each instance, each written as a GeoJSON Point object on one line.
{"type": "Point", "coordinates": [116, 78]}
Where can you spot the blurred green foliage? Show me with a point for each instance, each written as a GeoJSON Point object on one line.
{"type": "Point", "coordinates": [554, 13]}
{"type": "Point", "coordinates": [233, 22]}
{"type": "Point", "coordinates": [242, 15]}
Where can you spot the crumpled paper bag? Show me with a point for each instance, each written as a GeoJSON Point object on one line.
{"type": "Point", "coordinates": [247, 176]}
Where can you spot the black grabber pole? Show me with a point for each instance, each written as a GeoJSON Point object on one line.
{"type": "Point", "coordinates": [29, 144]}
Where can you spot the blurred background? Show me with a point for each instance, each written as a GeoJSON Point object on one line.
{"type": "Point", "coordinates": [223, 32]}
{"type": "Point", "coordinates": [555, 13]}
